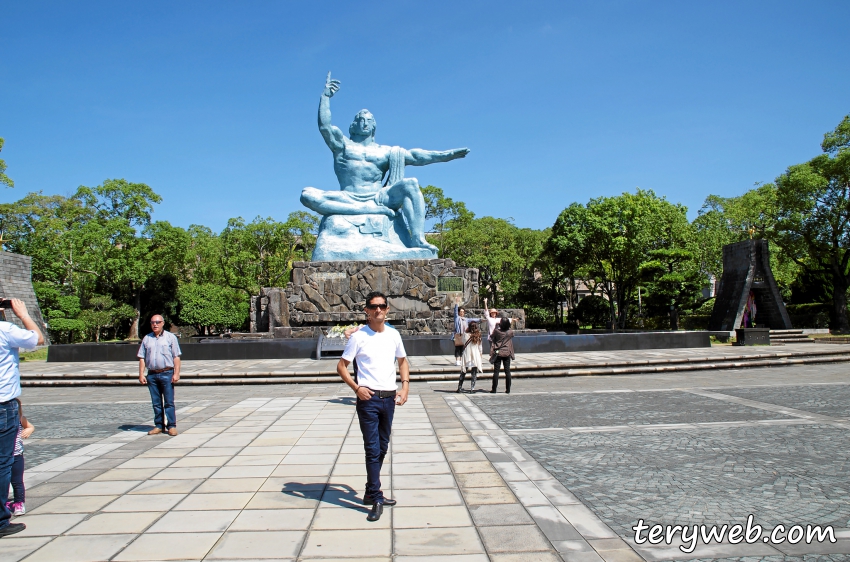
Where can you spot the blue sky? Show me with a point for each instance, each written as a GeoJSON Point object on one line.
{"type": "Point", "coordinates": [213, 104]}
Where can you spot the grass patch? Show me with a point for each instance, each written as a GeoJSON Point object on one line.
{"type": "Point", "coordinates": [37, 355]}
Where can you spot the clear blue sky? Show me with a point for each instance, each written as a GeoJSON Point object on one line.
{"type": "Point", "coordinates": [213, 104]}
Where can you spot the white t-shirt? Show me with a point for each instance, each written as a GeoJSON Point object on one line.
{"type": "Point", "coordinates": [12, 338]}
{"type": "Point", "coordinates": [376, 353]}
{"type": "Point", "coordinates": [491, 324]}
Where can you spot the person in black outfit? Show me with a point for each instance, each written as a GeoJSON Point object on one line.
{"type": "Point", "coordinates": [501, 353]}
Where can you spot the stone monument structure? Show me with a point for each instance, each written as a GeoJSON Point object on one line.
{"type": "Point", "coordinates": [371, 238]}
{"type": "Point", "coordinates": [377, 214]}
{"type": "Point", "coordinates": [421, 294]}
{"type": "Point", "coordinates": [16, 282]}
{"type": "Point", "coordinates": [748, 289]}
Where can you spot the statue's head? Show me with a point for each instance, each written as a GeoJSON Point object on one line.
{"type": "Point", "coordinates": [363, 124]}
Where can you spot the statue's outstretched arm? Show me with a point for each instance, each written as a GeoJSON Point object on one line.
{"type": "Point", "coordinates": [419, 157]}
{"type": "Point", "coordinates": [332, 135]}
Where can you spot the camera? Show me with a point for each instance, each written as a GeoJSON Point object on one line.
{"type": "Point", "coordinates": [6, 303]}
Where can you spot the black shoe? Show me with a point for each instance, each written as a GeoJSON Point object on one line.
{"type": "Point", "coordinates": [11, 529]}
{"type": "Point", "coordinates": [492, 392]}
{"type": "Point", "coordinates": [507, 392]}
{"type": "Point", "coordinates": [367, 500]}
{"type": "Point", "coordinates": [375, 514]}
{"type": "Point", "coordinates": [459, 389]}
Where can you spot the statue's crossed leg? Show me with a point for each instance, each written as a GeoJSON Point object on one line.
{"type": "Point", "coordinates": [404, 196]}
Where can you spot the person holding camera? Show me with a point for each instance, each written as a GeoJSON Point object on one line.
{"type": "Point", "coordinates": [12, 340]}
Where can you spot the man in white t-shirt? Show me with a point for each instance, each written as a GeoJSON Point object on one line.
{"type": "Point", "coordinates": [12, 339]}
{"type": "Point", "coordinates": [376, 347]}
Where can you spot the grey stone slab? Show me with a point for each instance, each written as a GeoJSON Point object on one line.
{"type": "Point", "coordinates": [553, 524]}
{"type": "Point", "coordinates": [514, 538]}
{"type": "Point", "coordinates": [78, 476]}
{"type": "Point", "coordinates": [499, 514]}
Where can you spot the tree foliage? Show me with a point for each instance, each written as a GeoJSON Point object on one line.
{"type": "Point", "coordinates": [101, 264]}
{"type": "Point", "coordinates": [210, 307]}
{"type": "Point", "coordinates": [813, 216]}
{"type": "Point", "coordinates": [4, 179]}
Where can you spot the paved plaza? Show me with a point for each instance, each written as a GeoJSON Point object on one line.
{"type": "Point", "coordinates": [560, 469]}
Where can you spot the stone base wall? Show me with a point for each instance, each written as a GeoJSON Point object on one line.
{"type": "Point", "coordinates": [16, 282]}
{"type": "Point", "coordinates": [421, 294]}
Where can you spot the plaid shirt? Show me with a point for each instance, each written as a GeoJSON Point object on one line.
{"type": "Point", "coordinates": [159, 352]}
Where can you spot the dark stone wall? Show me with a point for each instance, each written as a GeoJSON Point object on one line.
{"type": "Point", "coordinates": [16, 282]}
{"type": "Point", "coordinates": [414, 345]}
{"type": "Point", "coordinates": [746, 266]}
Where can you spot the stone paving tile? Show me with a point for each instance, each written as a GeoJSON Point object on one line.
{"type": "Point", "coordinates": [829, 400]}
{"type": "Point", "coordinates": [169, 546]}
{"type": "Point", "coordinates": [17, 548]}
{"type": "Point", "coordinates": [442, 542]}
{"type": "Point", "coordinates": [144, 502]}
{"type": "Point", "coordinates": [621, 408]}
{"type": "Point", "coordinates": [115, 523]}
{"type": "Point", "coordinates": [343, 543]}
{"type": "Point", "coordinates": [405, 517]}
{"type": "Point", "coordinates": [195, 521]}
{"type": "Point", "coordinates": [82, 548]}
{"type": "Point", "coordinates": [49, 524]}
{"type": "Point", "coordinates": [166, 487]}
{"type": "Point", "coordinates": [71, 504]}
{"type": "Point", "coordinates": [514, 538]}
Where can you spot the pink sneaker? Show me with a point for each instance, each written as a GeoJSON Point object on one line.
{"type": "Point", "coordinates": [17, 509]}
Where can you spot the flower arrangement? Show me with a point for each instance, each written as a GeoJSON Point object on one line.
{"type": "Point", "coordinates": [339, 331]}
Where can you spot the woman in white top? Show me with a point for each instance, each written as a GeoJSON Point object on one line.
{"type": "Point", "coordinates": [471, 360]}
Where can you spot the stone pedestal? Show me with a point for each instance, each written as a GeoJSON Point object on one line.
{"type": "Point", "coordinates": [421, 294]}
{"type": "Point", "coordinates": [752, 336]}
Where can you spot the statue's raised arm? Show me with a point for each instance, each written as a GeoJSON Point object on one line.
{"type": "Point", "coordinates": [332, 135]}
{"type": "Point", "coordinates": [419, 157]}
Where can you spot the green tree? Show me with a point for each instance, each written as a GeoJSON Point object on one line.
{"type": "Point", "coordinates": [491, 246]}
{"type": "Point", "coordinates": [4, 179]}
{"type": "Point", "coordinates": [260, 253]}
{"type": "Point", "coordinates": [61, 312]}
{"type": "Point", "coordinates": [565, 257]}
{"type": "Point", "coordinates": [441, 210]}
{"type": "Point", "coordinates": [115, 246]}
{"type": "Point", "coordinates": [672, 275]}
{"type": "Point", "coordinates": [614, 236]}
{"type": "Point", "coordinates": [813, 219]}
{"type": "Point", "coordinates": [103, 313]}
{"type": "Point", "coordinates": [208, 307]}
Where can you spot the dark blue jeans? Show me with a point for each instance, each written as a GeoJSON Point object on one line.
{"type": "Point", "coordinates": [376, 422]}
{"type": "Point", "coordinates": [162, 397]}
{"type": "Point", "coordinates": [20, 492]}
{"type": "Point", "coordinates": [9, 420]}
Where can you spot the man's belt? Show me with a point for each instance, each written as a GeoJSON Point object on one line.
{"type": "Point", "coordinates": [384, 393]}
{"type": "Point", "coordinates": [157, 371]}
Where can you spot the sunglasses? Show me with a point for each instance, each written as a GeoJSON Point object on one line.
{"type": "Point", "coordinates": [374, 306]}
{"type": "Point", "coordinates": [156, 321]}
